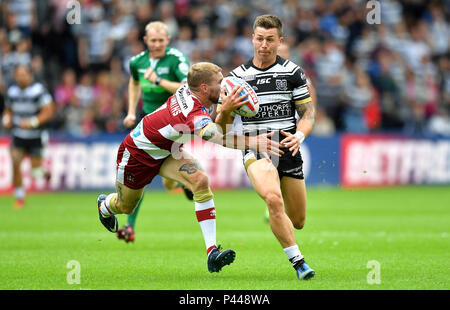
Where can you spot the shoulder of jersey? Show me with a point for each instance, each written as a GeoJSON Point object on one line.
{"type": "Point", "coordinates": [239, 71]}
{"type": "Point", "coordinates": [136, 57]}
{"type": "Point", "coordinates": [35, 86]}
{"type": "Point", "coordinates": [290, 66]}
{"type": "Point", "coordinates": [173, 52]}
{"type": "Point", "coordinates": [13, 88]}
{"type": "Point", "coordinates": [38, 87]}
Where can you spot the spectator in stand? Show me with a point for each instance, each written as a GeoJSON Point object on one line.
{"type": "Point", "coordinates": [184, 42]}
{"type": "Point", "coordinates": [95, 46]}
{"type": "Point", "coordinates": [357, 95]}
{"type": "Point", "coordinates": [14, 52]}
{"type": "Point", "coordinates": [81, 120]}
{"type": "Point", "coordinates": [25, 10]}
{"type": "Point", "coordinates": [64, 96]}
{"type": "Point", "coordinates": [64, 92]}
{"type": "Point", "coordinates": [104, 95]}
{"type": "Point", "coordinates": [323, 125]}
{"type": "Point", "coordinates": [439, 30]}
{"type": "Point", "coordinates": [204, 43]}
{"type": "Point", "coordinates": [329, 65]}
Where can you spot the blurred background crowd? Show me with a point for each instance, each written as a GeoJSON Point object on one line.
{"type": "Point", "coordinates": [391, 76]}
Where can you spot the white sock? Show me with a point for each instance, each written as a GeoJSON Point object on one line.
{"type": "Point", "coordinates": [206, 217]}
{"type": "Point", "coordinates": [293, 254]}
{"type": "Point", "coordinates": [19, 193]}
{"type": "Point", "coordinates": [105, 210]}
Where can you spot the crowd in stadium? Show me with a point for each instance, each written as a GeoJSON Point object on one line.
{"type": "Point", "coordinates": [388, 76]}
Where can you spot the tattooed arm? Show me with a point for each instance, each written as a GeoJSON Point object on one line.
{"type": "Point", "coordinates": [306, 112]}
{"type": "Point", "coordinates": [304, 127]}
{"type": "Point", "coordinates": [262, 143]}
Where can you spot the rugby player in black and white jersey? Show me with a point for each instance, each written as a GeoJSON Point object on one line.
{"type": "Point", "coordinates": [28, 106]}
{"type": "Point", "coordinates": [282, 91]}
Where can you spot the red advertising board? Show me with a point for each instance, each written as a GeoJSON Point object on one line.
{"type": "Point", "coordinates": [384, 160]}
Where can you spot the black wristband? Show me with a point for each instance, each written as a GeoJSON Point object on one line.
{"type": "Point", "coordinates": [158, 80]}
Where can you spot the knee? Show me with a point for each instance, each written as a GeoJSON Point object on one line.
{"type": "Point", "coordinates": [199, 181]}
{"type": "Point", "coordinates": [273, 200]}
{"type": "Point", "coordinates": [299, 223]}
{"type": "Point", "coordinates": [274, 203]}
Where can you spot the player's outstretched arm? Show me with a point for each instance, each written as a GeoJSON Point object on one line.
{"type": "Point", "coordinates": [7, 118]}
{"type": "Point", "coordinates": [261, 143]}
{"type": "Point", "coordinates": [134, 93]}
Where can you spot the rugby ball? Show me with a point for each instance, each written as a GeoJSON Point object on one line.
{"type": "Point", "coordinates": [249, 109]}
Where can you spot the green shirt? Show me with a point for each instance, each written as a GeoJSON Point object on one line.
{"type": "Point", "coordinates": [174, 67]}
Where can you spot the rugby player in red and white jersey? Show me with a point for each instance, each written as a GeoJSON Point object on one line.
{"type": "Point", "coordinates": [154, 147]}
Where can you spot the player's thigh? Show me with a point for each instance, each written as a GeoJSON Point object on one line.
{"type": "Point", "coordinates": [294, 196]}
{"type": "Point", "coordinates": [184, 169]}
{"type": "Point", "coordinates": [128, 197]}
{"type": "Point", "coordinates": [17, 155]}
{"type": "Point", "coordinates": [264, 177]}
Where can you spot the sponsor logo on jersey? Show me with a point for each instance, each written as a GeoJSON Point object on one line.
{"type": "Point", "coordinates": [263, 81]}
{"type": "Point", "coordinates": [182, 98]}
{"type": "Point", "coordinates": [272, 111]}
{"type": "Point", "coordinates": [162, 70]}
{"type": "Point", "coordinates": [281, 84]}
{"type": "Point", "coordinates": [130, 178]}
{"type": "Point", "coordinates": [200, 123]}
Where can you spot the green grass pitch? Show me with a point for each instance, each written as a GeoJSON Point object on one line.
{"type": "Point", "coordinates": [405, 229]}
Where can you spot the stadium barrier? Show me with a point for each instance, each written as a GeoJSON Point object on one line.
{"type": "Point", "coordinates": [347, 160]}
{"type": "Point", "coordinates": [387, 160]}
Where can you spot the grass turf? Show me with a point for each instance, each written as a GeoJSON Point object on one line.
{"type": "Point", "coordinates": [405, 229]}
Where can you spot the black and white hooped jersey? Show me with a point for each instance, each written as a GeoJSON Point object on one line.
{"type": "Point", "coordinates": [278, 88]}
{"type": "Point", "coordinates": [26, 103]}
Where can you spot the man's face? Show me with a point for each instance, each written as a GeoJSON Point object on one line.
{"type": "Point", "coordinates": [156, 41]}
{"type": "Point", "coordinates": [22, 77]}
{"type": "Point", "coordinates": [214, 88]}
{"type": "Point", "coordinates": [266, 43]}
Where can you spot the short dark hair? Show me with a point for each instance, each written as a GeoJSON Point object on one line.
{"type": "Point", "coordinates": [268, 22]}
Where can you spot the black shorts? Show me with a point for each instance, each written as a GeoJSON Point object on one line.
{"type": "Point", "coordinates": [33, 147]}
{"type": "Point", "coordinates": [287, 165]}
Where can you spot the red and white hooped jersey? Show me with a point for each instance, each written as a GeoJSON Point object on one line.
{"type": "Point", "coordinates": [167, 128]}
